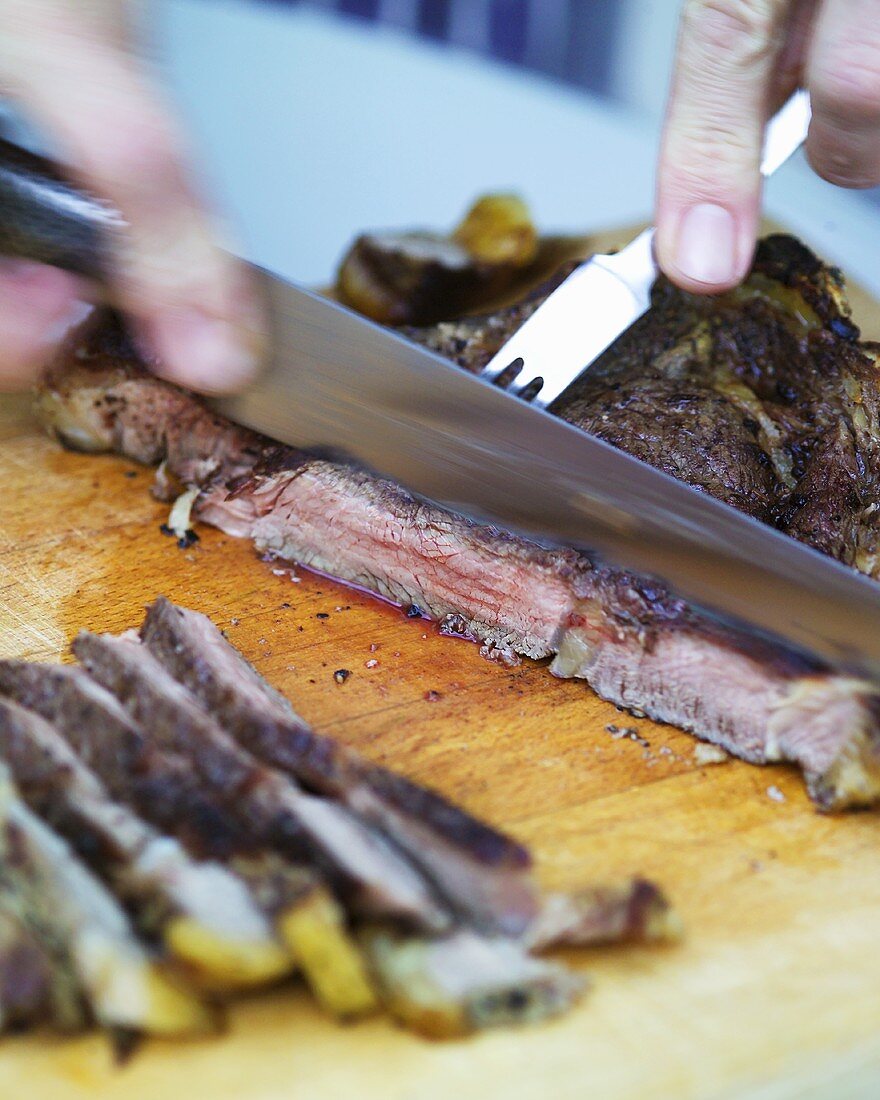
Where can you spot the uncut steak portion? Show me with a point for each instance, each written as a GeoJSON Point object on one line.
{"type": "Point", "coordinates": [763, 397]}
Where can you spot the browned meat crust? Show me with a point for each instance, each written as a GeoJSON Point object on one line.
{"type": "Point", "coordinates": [763, 397]}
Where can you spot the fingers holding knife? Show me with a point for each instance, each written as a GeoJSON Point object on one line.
{"type": "Point", "coordinates": [70, 66]}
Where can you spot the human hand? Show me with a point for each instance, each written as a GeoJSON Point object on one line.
{"type": "Point", "coordinates": [737, 62]}
{"type": "Point", "coordinates": [70, 66]}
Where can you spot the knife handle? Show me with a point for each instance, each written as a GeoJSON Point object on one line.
{"type": "Point", "coordinates": [46, 218]}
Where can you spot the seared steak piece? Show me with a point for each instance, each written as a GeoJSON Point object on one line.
{"type": "Point", "coordinates": [483, 875]}
{"type": "Point", "coordinates": [530, 988]}
{"type": "Point", "coordinates": [774, 370]}
{"type": "Point", "coordinates": [763, 397]}
{"type": "Point", "coordinates": [373, 878]}
{"type": "Point", "coordinates": [123, 983]}
{"type": "Point", "coordinates": [202, 913]}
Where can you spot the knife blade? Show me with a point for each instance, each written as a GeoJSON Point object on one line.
{"type": "Point", "coordinates": [337, 381]}
{"type": "Point", "coordinates": [341, 382]}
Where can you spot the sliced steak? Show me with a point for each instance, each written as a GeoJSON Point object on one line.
{"type": "Point", "coordinates": [202, 913]}
{"type": "Point", "coordinates": [483, 874]}
{"type": "Point", "coordinates": [124, 985]}
{"type": "Point", "coordinates": [644, 650]}
{"type": "Point", "coordinates": [269, 806]}
{"type": "Point", "coordinates": [763, 397]}
{"type": "Point", "coordinates": [165, 788]}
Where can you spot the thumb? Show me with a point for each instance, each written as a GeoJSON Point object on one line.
{"type": "Point", "coordinates": [709, 183]}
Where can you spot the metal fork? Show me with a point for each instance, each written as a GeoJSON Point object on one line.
{"type": "Point", "coordinates": [602, 297]}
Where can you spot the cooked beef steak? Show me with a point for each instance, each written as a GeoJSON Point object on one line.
{"type": "Point", "coordinates": [762, 397]}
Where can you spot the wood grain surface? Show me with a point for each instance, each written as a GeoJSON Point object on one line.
{"type": "Point", "coordinates": [775, 991]}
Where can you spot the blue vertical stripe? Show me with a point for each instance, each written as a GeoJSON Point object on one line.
{"type": "Point", "coordinates": [508, 27]}
{"type": "Point", "coordinates": [433, 19]}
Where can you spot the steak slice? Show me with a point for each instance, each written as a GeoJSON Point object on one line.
{"type": "Point", "coordinates": [481, 873]}
{"type": "Point", "coordinates": [632, 911]}
{"type": "Point", "coordinates": [202, 913]}
{"type": "Point", "coordinates": [124, 985]}
{"type": "Point", "coordinates": [272, 810]}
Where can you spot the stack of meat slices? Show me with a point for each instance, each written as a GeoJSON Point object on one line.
{"type": "Point", "coordinates": [171, 831]}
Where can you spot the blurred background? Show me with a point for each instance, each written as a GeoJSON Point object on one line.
{"type": "Point", "coordinates": [619, 49]}
{"type": "Point", "coordinates": [313, 120]}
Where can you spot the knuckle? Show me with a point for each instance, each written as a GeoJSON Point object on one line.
{"type": "Point", "coordinates": [713, 150]}
{"type": "Point", "coordinates": [139, 154]}
{"type": "Point", "coordinates": [849, 90]}
{"type": "Point", "coordinates": [740, 32]}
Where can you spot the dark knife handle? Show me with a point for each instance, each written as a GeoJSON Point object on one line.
{"type": "Point", "coordinates": [44, 217]}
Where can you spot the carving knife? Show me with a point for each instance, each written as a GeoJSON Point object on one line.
{"type": "Point", "coordinates": [337, 381]}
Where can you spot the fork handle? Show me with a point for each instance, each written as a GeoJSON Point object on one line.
{"type": "Point", "coordinates": [46, 218]}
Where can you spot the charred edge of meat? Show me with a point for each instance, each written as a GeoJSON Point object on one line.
{"type": "Point", "coordinates": [785, 260]}
{"type": "Point", "coordinates": [465, 982]}
{"type": "Point", "coordinates": [628, 912]}
{"type": "Point", "coordinates": [482, 874]}
{"type": "Point", "coordinates": [367, 871]}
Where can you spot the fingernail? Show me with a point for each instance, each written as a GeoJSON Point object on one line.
{"type": "Point", "coordinates": [706, 246]}
{"type": "Point", "coordinates": [201, 352]}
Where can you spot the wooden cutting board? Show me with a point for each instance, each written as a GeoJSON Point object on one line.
{"type": "Point", "coordinates": [775, 991]}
